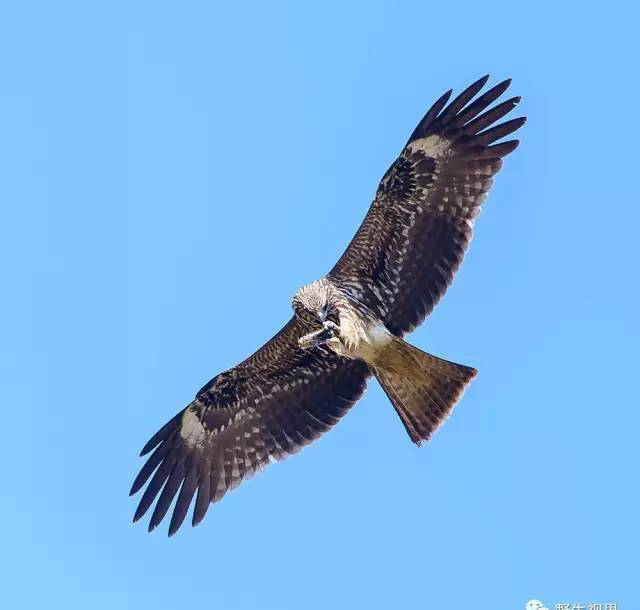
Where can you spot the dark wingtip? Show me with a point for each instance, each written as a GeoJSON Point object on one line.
{"type": "Point", "coordinates": [161, 434]}
{"type": "Point", "coordinates": [198, 516]}
{"type": "Point", "coordinates": [441, 102]}
{"type": "Point", "coordinates": [200, 509]}
{"type": "Point", "coordinates": [138, 514]}
{"type": "Point", "coordinates": [517, 123]}
{"type": "Point", "coordinates": [138, 483]}
{"type": "Point", "coordinates": [151, 443]}
{"type": "Point", "coordinates": [501, 87]}
{"type": "Point", "coordinates": [504, 148]}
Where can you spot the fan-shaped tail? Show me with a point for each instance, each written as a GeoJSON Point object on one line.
{"type": "Point", "coordinates": [422, 388]}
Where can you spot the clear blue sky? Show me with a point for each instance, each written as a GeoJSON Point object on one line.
{"type": "Point", "coordinates": [164, 162]}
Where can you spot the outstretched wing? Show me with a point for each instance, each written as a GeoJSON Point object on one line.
{"type": "Point", "coordinates": [266, 408]}
{"type": "Point", "coordinates": [413, 239]}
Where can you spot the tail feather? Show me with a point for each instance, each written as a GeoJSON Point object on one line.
{"type": "Point", "coordinates": [422, 388]}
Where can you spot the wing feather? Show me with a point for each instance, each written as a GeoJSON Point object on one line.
{"type": "Point", "coordinates": [268, 407]}
{"type": "Point", "coordinates": [415, 235]}
{"type": "Point", "coordinates": [463, 99]}
{"type": "Point", "coordinates": [186, 494]}
{"type": "Point", "coordinates": [474, 109]}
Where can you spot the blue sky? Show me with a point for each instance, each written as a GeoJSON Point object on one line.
{"type": "Point", "coordinates": [164, 162]}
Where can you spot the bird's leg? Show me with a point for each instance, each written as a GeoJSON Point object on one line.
{"type": "Point", "coordinates": [335, 343]}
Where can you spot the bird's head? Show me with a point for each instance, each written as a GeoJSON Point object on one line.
{"type": "Point", "coordinates": [312, 303]}
{"type": "Point", "coordinates": [313, 306]}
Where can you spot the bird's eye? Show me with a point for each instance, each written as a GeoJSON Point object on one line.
{"type": "Point", "coordinates": [302, 313]}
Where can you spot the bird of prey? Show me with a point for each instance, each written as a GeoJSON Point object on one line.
{"type": "Point", "coordinates": [348, 325]}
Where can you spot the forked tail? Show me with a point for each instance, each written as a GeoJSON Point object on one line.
{"type": "Point", "coordinates": [422, 388]}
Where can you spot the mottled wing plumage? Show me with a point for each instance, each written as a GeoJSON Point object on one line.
{"type": "Point", "coordinates": [266, 408]}
{"type": "Point", "coordinates": [413, 239]}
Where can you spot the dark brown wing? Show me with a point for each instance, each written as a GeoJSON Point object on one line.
{"type": "Point", "coordinates": [413, 239]}
{"type": "Point", "coordinates": [266, 408]}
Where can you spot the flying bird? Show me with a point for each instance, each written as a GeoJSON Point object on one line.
{"type": "Point", "coordinates": [348, 325]}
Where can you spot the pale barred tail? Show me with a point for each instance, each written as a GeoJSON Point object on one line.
{"type": "Point", "coordinates": [422, 387]}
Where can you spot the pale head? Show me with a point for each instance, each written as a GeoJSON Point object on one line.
{"type": "Point", "coordinates": [313, 302]}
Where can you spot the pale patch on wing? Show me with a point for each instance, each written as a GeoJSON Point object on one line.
{"type": "Point", "coordinates": [191, 430]}
{"type": "Point", "coordinates": [433, 146]}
